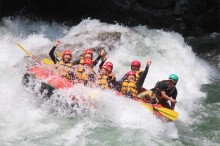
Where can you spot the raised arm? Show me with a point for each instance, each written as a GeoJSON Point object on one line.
{"type": "Point", "coordinates": [51, 53]}
{"type": "Point", "coordinates": [143, 76]}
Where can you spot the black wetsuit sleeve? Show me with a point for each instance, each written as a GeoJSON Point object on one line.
{"type": "Point", "coordinates": [101, 64]}
{"type": "Point", "coordinates": [97, 60]}
{"type": "Point", "coordinates": [141, 79]}
{"type": "Point", "coordinates": [174, 94]}
{"type": "Point", "coordinates": [51, 54]}
{"type": "Point", "coordinates": [118, 84]}
{"type": "Point", "coordinates": [123, 78]}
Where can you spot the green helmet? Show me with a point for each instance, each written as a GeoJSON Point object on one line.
{"type": "Point", "coordinates": [174, 77]}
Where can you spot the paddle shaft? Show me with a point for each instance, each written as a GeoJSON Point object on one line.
{"type": "Point", "coordinates": [29, 54]}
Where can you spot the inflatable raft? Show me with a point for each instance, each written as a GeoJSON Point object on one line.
{"type": "Point", "coordinates": [46, 81]}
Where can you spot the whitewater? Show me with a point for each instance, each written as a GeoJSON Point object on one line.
{"type": "Point", "coordinates": [28, 120]}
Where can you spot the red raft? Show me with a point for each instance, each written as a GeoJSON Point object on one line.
{"type": "Point", "coordinates": [48, 81]}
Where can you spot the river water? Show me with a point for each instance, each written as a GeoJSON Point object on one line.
{"type": "Point", "coordinates": [28, 120]}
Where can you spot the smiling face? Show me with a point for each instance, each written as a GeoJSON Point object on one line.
{"type": "Point", "coordinates": [88, 56]}
{"type": "Point", "coordinates": [104, 71]}
{"type": "Point", "coordinates": [134, 68]}
{"type": "Point", "coordinates": [172, 84]}
{"type": "Point", "coordinates": [131, 78]}
{"type": "Point", "coordinates": [66, 58]}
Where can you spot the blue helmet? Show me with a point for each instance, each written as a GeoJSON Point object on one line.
{"type": "Point", "coordinates": [174, 77]}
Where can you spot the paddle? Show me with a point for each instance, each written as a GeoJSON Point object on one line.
{"type": "Point", "coordinates": [59, 54]}
{"type": "Point", "coordinates": [29, 54]}
{"type": "Point", "coordinates": [168, 113]}
{"type": "Point", "coordinates": [47, 61]}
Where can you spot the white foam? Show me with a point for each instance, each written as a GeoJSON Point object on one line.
{"type": "Point", "coordinates": [167, 50]}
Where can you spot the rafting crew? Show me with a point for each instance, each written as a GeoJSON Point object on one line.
{"type": "Point", "coordinates": [130, 85]}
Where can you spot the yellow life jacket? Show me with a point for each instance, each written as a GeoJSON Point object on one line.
{"type": "Point", "coordinates": [138, 74]}
{"type": "Point", "coordinates": [80, 75]}
{"type": "Point", "coordinates": [66, 64]}
{"type": "Point", "coordinates": [81, 60]}
{"type": "Point", "coordinates": [129, 87]}
{"type": "Point", "coordinates": [102, 82]}
{"type": "Point", "coordinates": [64, 70]}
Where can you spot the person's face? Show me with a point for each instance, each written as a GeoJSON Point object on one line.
{"type": "Point", "coordinates": [103, 71]}
{"type": "Point", "coordinates": [134, 68]}
{"type": "Point", "coordinates": [171, 84]}
{"type": "Point", "coordinates": [67, 58]}
{"type": "Point", "coordinates": [131, 78]}
{"type": "Point", "coordinates": [88, 56]}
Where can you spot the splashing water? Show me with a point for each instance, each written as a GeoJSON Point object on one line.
{"type": "Point", "coordinates": [27, 119]}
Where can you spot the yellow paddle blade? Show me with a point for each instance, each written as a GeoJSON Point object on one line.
{"type": "Point", "coordinates": [59, 54]}
{"type": "Point", "coordinates": [20, 46]}
{"type": "Point", "coordinates": [47, 61]}
{"type": "Point", "coordinates": [168, 113]}
{"type": "Point", "coordinates": [147, 106]}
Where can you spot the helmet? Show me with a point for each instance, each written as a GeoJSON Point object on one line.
{"type": "Point", "coordinates": [109, 64]}
{"type": "Point", "coordinates": [108, 68]}
{"type": "Point", "coordinates": [87, 61]}
{"type": "Point", "coordinates": [136, 63]}
{"type": "Point", "coordinates": [131, 73]}
{"type": "Point", "coordinates": [174, 77]}
{"type": "Point", "coordinates": [88, 51]}
{"type": "Point", "coordinates": [66, 52]}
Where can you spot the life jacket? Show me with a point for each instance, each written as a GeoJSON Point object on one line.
{"type": "Point", "coordinates": [102, 82]}
{"type": "Point", "coordinates": [80, 74]}
{"type": "Point", "coordinates": [63, 70]}
{"type": "Point", "coordinates": [157, 91]}
{"type": "Point", "coordinates": [129, 88]}
{"type": "Point", "coordinates": [138, 74]}
{"type": "Point", "coordinates": [65, 64]}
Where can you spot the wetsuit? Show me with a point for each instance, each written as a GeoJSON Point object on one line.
{"type": "Point", "coordinates": [163, 86]}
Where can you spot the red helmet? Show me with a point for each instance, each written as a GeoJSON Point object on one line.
{"type": "Point", "coordinates": [67, 52]}
{"type": "Point", "coordinates": [109, 64]}
{"type": "Point", "coordinates": [87, 61]}
{"type": "Point", "coordinates": [108, 68]}
{"type": "Point", "coordinates": [88, 51]}
{"type": "Point", "coordinates": [131, 73]}
{"type": "Point", "coordinates": [136, 63]}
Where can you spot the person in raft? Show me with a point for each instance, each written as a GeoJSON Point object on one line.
{"type": "Point", "coordinates": [111, 75]}
{"type": "Point", "coordinates": [163, 92]}
{"type": "Point", "coordinates": [130, 87]}
{"type": "Point", "coordinates": [64, 64]}
{"type": "Point", "coordinates": [103, 80]}
{"type": "Point", "coordinates": [135, 66]}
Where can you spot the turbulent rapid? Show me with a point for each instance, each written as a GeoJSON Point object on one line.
{"type": "Point", "coordinates": [27, 119]}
